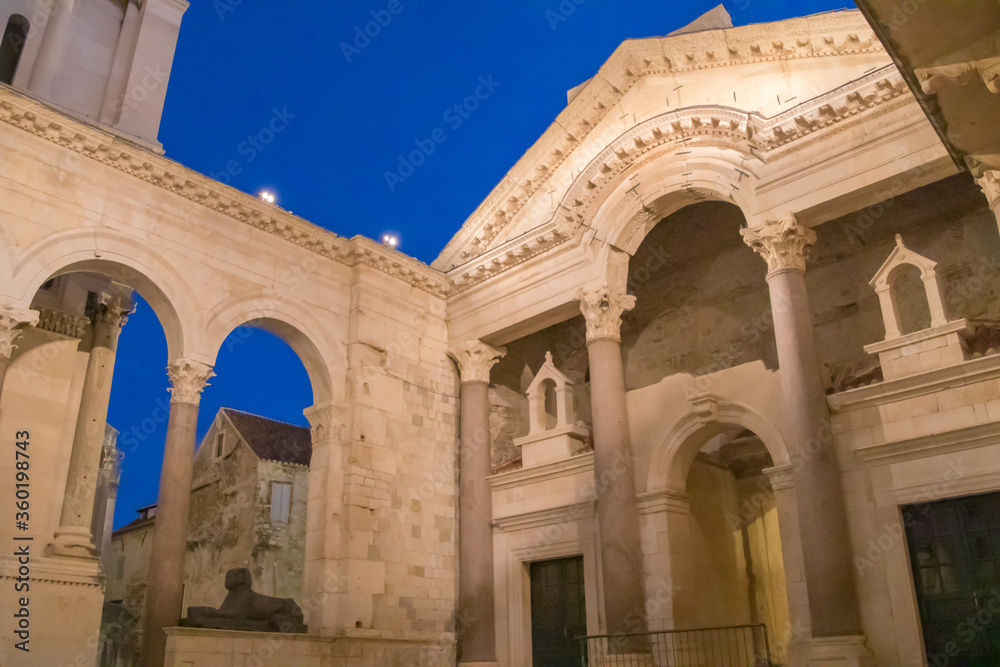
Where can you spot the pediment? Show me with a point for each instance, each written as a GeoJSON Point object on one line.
{"type": "Point", "coordinates": [730, 81]}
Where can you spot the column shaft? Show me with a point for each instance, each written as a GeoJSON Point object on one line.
{"type": "Point", "coordinates": [165, 587]}
{"type": "Point", "coordinates": [617, 514]}
{"type": "Point", "coordinates": [73, 537]}
{"type": "Point", "coordinates": [52, 54]}
{"type": "Point", "coordinates": [825, 538]}
{"type": "Point", "coordinates": [477, 640]}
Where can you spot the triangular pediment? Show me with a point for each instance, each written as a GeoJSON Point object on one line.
{"type": "Point", "coordinates": [735, 75]}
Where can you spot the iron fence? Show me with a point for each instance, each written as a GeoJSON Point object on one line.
{"type": "Point", "coordinates": [731, 646]}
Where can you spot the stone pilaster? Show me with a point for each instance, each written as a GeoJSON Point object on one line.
{"type": "Point", "coordinates": [12, 321]}
{"type": "Point", "coordinates": [73, 537]}
{"type": "Point", "coordinates": [325, 572]}
{"type": "Point", "coordinates": [165, 587]}
{"type": "Point", "coordinates": [617, 514]}
{"type": "Point", "coordinates": [475, 624]}
{"type": "Point", "coordinates": [784, 244]}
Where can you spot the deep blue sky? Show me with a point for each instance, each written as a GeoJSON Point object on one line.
{"type": "Point", "coordinates": [347, 118]}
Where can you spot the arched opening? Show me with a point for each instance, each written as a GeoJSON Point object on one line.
{"type": "Point", "coordinates": [551, 416]}
{"type": "Point", "coordinates": [249, 486]}
{"type": "Point", "coordinates": [11, 46]}
{"type": "Point", "coordinates": [702, 303]}
{"type": "Point", "coordinates": [731, 562]}
{"type": "Point", "coordinates": [909, 296]}
{"type": "Point", "coordinates": [88, 382]}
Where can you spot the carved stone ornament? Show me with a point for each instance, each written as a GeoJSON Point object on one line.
{"type": "Point", "coordinates": [10, 319]}
{"type": "Point", "coordinates": [475, 359]}
{"type": "Point", "coordinates": [188, 379]}
{"type": "Point", "coordinates": [603, 308]}
{"type": "Point", "coordinates": [960, 73]}
{"type": "Point", "coordinates": [784, 244]}
{"type": "Point", "coordinates": [327, 422]}
{"type": "Point", "coordinates": [989, 182]}
{"type": "Point", "coordinates": [113, 310]}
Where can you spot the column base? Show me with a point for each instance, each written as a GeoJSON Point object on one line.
{"type": "Point", "coordinates": [72, 542]}
{"type": "Point", "coordinates": [843, 651]}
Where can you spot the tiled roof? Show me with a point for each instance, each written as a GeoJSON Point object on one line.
{"type": "Point", "coordinates": [273, 440]}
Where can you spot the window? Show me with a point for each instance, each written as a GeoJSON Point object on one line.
{"type": "Point", "coordinates": [281, 501]}
{"type": "Point", "coordinates": [11, 47]}
{"type": "Point", "coordinates": [220, 441]}
{"type": "Point", "coordinates": [120, 571]}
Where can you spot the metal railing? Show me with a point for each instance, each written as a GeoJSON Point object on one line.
{"type": "Point", "coordinates": [731, 646]}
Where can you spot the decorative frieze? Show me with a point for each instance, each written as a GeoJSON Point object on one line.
{"type": "Point", "coordinates": [603, 308]}
{"type": "Point", "coordinates": [784, 244]}
{"type": "Point", "coordinates": [62, 323]}
{"type": "Point", "coordinates": [187, 380]}
{"type": "Point", "coordinates": [475, 359]}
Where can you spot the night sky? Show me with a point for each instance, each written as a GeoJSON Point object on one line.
{"type": "Point", "coordinates": [348, 105]}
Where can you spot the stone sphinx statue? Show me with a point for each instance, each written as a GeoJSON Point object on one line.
{"type": "Point", "coordinates": [243, 609]}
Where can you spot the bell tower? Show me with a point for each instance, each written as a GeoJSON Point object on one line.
{"type": "Point", "coordinates": [106, 62]}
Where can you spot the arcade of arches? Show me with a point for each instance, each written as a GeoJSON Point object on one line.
{"type": "Point", "coordinates": [691, 372]}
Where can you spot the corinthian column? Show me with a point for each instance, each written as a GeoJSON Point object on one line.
{"type": "Point", "coordinates": [475, 625]}
{"type": "Point", "coordinates": [73, 537]}
{"type": "Point", "coordinates": [165, 587]}
{"type": "Point", "coordinates": [989, 182]}
{"type": "Point", "coordinates": [11, 320]}
{"type": "Point", "coordinates": [617, 516]}
{"type": "Point", "coordinates": [826, 546]}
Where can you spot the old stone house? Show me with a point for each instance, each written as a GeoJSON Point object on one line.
{"type": "Point", "coordinates": [248, 509]}
{"type": "Point", "coordinates": [720, 349]}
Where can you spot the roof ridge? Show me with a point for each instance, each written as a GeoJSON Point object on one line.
{"type": "Point", "coordinates": [270, 419]}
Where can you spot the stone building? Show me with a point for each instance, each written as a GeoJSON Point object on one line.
{"type": "Point", "coordinates": [248, 509]}
{"type": "Point", "coordinates": [762, 258]}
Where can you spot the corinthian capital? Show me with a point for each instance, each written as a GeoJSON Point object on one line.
{"type": "Point", "coordinates": [603, 308]}
{"type": "Point", "coordinates": [10, 320]}
{"type": "Point", "coordinates": [111, 310]}
{"type": "Point", "coordinates": [784, 244]}
{"type": "Point", "coordinates": [989, 183]}
{"type": "Point", "coordinates": [188, 379]}
{"type": "Point", "coordinates": [475, 359]}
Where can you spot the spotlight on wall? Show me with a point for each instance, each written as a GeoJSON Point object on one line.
{"type": "Point", "coordinates": [390, 240]}
{"type": "Point", "coordinates": [267, 196]}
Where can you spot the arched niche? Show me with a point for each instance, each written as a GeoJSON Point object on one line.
{"type": "Point", "coordinates": [900, 259]}
{"type": "Point", "coordinates": [904, 353]}
{"type": "Point", "coordinates": [551, 437]}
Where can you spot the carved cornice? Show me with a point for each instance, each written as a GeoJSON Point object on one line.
{"type": "Point", "coordinates": [603, 308]}
{"type": "Point", "coordinates": [475, 359]}
{"type": "Point", "coordinates": [11, 321]}
{"type": "Point", "coordinates": [62, 323]}
{"type": "Point", "coordinates": [834, 34]}
{"type": "Point", "coordinates": [784, 244]}
{"type": "Point", "coordinates": [32, 116]}
{"type": "Point", "coordinates": [188, 379]}
{"type": "Point", "coordinates": [759, 140]}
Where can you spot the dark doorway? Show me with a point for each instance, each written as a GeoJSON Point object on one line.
{"type": "Point", "coordinates": [955, 552]}
{"type": "Point", "coordinates": [558, 612]}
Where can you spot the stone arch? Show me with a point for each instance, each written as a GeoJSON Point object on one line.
{"type": "Point", "coordinates": [122, 259]}
{"type": "Point", "coordinates": [676, 451]}
{"type": "Point", "coordinates": [324, 359]}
